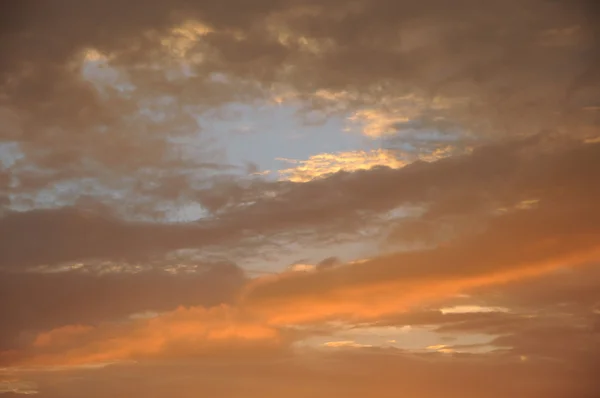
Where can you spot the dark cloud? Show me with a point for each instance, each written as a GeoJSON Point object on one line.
{"type": "Point", "coordinates": [41, 237]}
{"type": "Point", "coordinates": [491, 178]}
{"type": "Point", "coordinates": [35, 302]}
{"type": "Point", "coordinates": [327, 263]}
{"type": "Point", "coordinates": [520, 78]}
{"type": "Point", "coordinates": [479, 184]}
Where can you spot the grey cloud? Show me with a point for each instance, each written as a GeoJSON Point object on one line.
{"type": "Point", "coordinates": [41, 237]}
{"type": "Point", "coordinates": [377, 50]}
{"type": "Point", "coordinates": [499, 175]}
{"type": "Point", "coordinates": [327, 263]}
{"type": "Point", "coordinates": [36, 302]}
{"type": "Point", "coordinates": [490, 178]}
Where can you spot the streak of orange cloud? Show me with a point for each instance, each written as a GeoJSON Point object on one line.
{"type": "Point", "coordinates": [514, 247]}
{"type": "Point", "coordinates": [374, 300]}
{"type": "Point", "coordinates": [185, 330]}
{"type": "Point", "coordinates": [197, 329]}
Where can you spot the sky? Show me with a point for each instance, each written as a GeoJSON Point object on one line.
{"type": "Point", "coordinates": [269, 198]}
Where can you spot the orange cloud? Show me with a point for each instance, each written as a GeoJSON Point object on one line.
{"type": "Point", "coordinates": [60, 335]}
{"type": "Point", "coordinates": [370, 301]}
{"type": "Point", "coordinates": [185, 331]}
{"type": "Point", "coordinates": [515, 246]}
{"type": "Point", "coordinates": [324, 164]}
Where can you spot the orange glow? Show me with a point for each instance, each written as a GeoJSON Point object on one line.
{"type": "Point", "coordinates": [223, 327]}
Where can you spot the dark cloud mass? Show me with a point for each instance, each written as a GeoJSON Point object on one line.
{"type": "Point", "coordinates": [491, 178]}
{"type": "Point", "coordinates": [35, 302]}
{"type": "Point", "coordinates": [374, 50]}
{"type": "Point", "coordinates": [125, 204]}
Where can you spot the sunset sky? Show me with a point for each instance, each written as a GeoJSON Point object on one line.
{"type": "Point", "coordinates": [300, 198]}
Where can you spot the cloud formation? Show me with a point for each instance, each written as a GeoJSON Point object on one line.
{"type": "Point", "coordinates": [489, 179]}
{"type": "Point", "coordinates": [382, 56]}
{"type": "Point", "coordinates": [513, 247]}
{"type": "Point", "coordinates": [36, 302]}
{"type": "Point", "coordinates": [479, 210]}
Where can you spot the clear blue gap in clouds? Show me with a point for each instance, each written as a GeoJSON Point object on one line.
{"type": "Point", "coordinates": [245, 133]}
{"type": "Point", "coordinates": [261, 134]}
{"type": "Point", "coordinates": [10, 153]}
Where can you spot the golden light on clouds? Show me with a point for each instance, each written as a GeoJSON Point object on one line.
{"type": "Point", "coordinates": [94, 55]}
{"type": "Point", "coordinates": [377, 123]}
{"type": "Point", "coordinates": [344, 344]}
{"type": "Point", "coordinates": [441, 348]}
{"type": "Point", "coordinates": [183, 38]}
{"type": "Point", "coordinates": [324, 164]}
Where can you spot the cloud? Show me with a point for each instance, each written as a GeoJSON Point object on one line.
{"type": "Point", "coordinates": [16, 388]}
{"type": "Point", "coordinates": [512, 248]}
{"type": "Point", "coordinates": [465, 309]}
{"type": "Point", "coordinates": [547, 170]}
{"type": "Point", "coordinates": [551, 317]}
{"type": "Point", "coordinates": [41, 237]}
{"type": "Point", "coordinates": [182, 332]}
{"type": "Point", "coordinates": [366, 58]}
{"type": "Point", "coordinates": [35, 302]}
{"type": "Point", "coordinates": [326, 164]}
{"type": "Point", "coordinates": [329, 163]}
{"type": "Point", "coordinates": [378, 123]}
{"type": "Point", "coordinates": [345, 344]}
{"type": "Point", "coordinates": [552, 171]}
